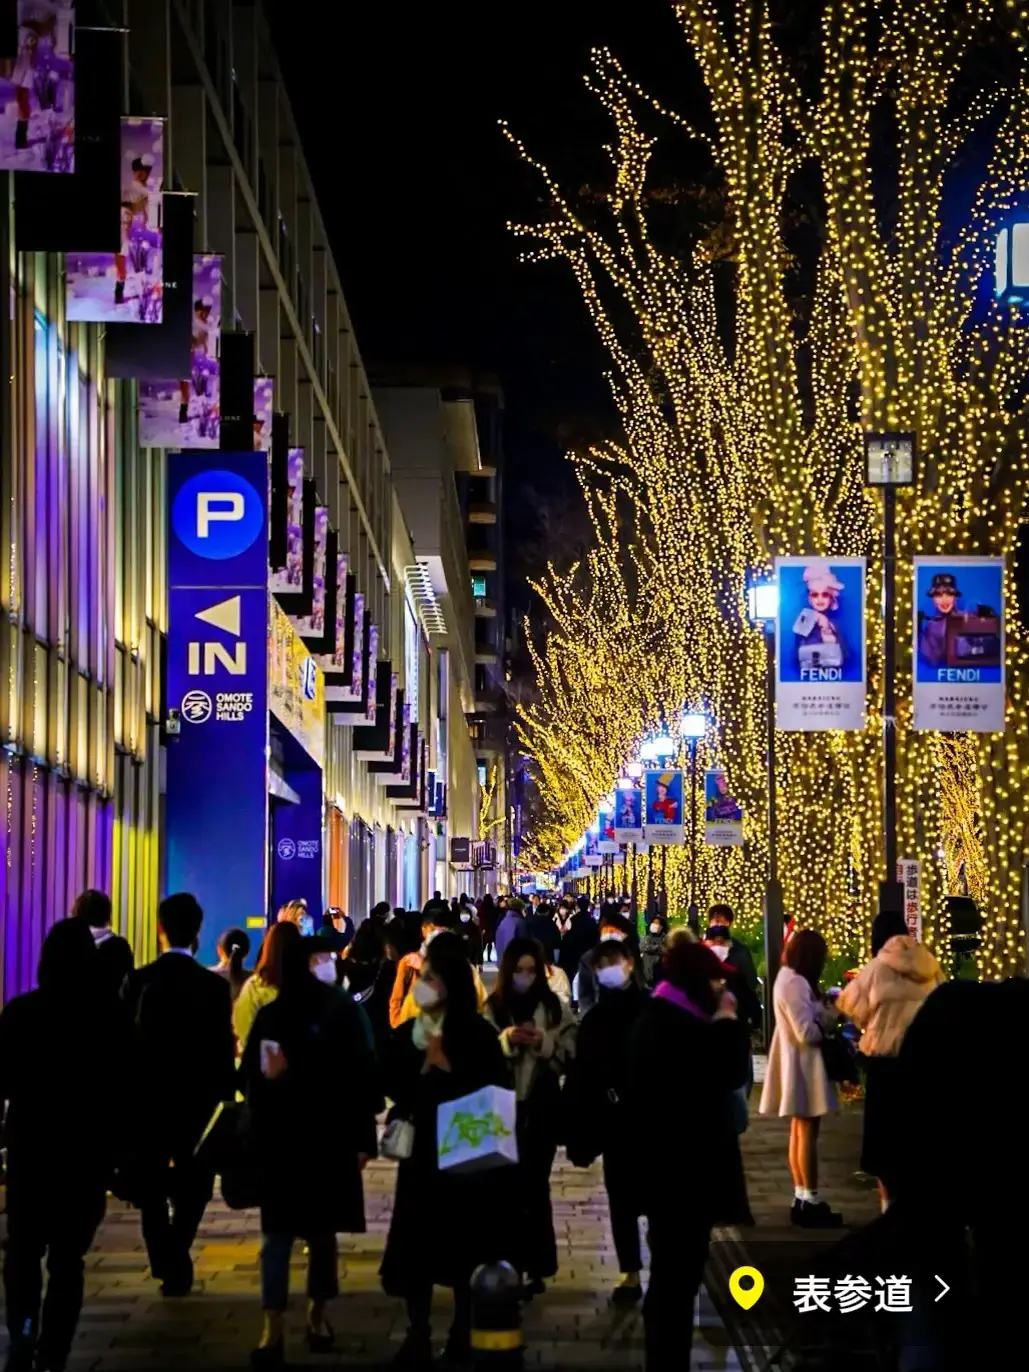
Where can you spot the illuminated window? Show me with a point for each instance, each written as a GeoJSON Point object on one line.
{"type": "Point", "coordinates": [478, 586]}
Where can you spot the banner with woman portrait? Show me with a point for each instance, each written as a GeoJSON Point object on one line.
{"type": "Point", "coordinates": [628, 815]}
{"type": "Point", "coordinates": [959, 644]}
{"type": "Point", "coordinates": [723, 817]}
{"type": "Point", "coordinates": [820, 672]}
{"type": "Point", "coordinates": [663, 818]}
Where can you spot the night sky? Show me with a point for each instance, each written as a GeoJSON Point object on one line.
{"type": "Point", "coordinates": [398, 110]}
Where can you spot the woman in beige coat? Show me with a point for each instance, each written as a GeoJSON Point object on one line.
{"type": "Point", "coordinates": [796, 1082]}
{"type": "Point", "coordinates": [882, 1000]}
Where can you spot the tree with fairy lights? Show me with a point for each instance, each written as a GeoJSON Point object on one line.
{"type": "Point", "coordinates": [857, 299]}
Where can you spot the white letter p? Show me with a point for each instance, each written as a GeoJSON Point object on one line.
{"type": "Point", "coordinates": [214, 507]}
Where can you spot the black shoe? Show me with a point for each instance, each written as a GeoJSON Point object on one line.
{"type": "Point", "coordinates": [819, 1216]}
{"type": "Point", "coordinates": [270, 1355]}
{"type": "Point", "coordinates": [178, 1283]}
{"type": "Point", "coordinates": [533, 1286]}
{"type": "Point", "coordinates": [119, 292]}
{"type": "Point", "coordinates": [183, 414]}
{"type": "Point", "coordinates": [21, 135]}
{"type": "Point", "coordinates": [458, 1352]}
{"type": "Point", "coordinates": [414, 1353]}
{"type": "Point", "coordinates": [795, 1212]}
{"type": "Point", "coordinates": [318, 1341]}
{"type": "Point", "coordinates": [21, 1354]}
{"type": "Point", "coordinates": [627, 1293]}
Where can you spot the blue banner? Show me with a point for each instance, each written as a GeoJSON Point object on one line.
{"type": "Point", "coordinates": [216, 817]}
{"type": "Point", "coordinates": [959, 644]}
{"type": "Point", "coordinates": [297, 844]}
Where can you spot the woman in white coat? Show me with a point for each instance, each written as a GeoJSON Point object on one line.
{"type": "Point", "coordinates": [797, 1085]}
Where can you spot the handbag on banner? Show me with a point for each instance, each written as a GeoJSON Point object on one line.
{"type": "Point", "coordinates": [477, 1132]}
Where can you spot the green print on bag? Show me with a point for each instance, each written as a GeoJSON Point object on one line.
{"type": "Point", "coordinates": [469, 1129]}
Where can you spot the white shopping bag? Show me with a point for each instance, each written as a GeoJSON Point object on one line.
{"type": "Point", "coordinates": [477, 1132]}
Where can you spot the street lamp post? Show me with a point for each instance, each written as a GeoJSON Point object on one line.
{"type": "Point", "coordinates": [693, 728]}
{"type": "Point", "coordinates": [890, 462]}
{"type": "Point", "coordinates": [763, 609]}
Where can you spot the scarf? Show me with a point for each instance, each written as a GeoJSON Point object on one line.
{"type": "Point", "coordinates": [664, 990]}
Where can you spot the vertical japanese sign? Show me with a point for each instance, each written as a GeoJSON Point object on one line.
{"type": "Point", "coordinates": [663, 820]}
{"type": "Point", "coordinates": [37, 91]}
{"type": "Point", "coordinates": [186, 413]}
{"type": "Point", "coordinates": [217, 787]}
{"type": "Point", "coordinates": [723, 817]}
{"type": "Point", "coordinates": [820, 643]}
{"type": "Point", "coordinates": [959, 644]}
{"type": "Point", "coordinates": [126, 286]}
{"type": "Point", "coordinates": [628, 815]}
{"type": "Point", "coordinates": [909, 877]}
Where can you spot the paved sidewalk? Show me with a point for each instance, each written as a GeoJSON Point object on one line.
{"type": "Point", "coordinates": [126, 1324]}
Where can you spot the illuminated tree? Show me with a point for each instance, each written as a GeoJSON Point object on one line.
{"type": "Point", "coordinates": [743, 431]}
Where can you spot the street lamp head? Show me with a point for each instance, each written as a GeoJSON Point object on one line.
{"type": "Point", "coordinates": [633, 772]}
{"type": "Point", "coordinates": [1011, 262]}
{"type": "Point", "coordinates": [654, 748]}
{"type": "Point", "coordinates": [693, 726]}
{"type": "Point", "coordinates": [763, 602]}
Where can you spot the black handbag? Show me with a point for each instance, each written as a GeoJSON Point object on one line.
{"type": "Point", "coordinates": [225, 1149]}
{"type": "Point", "coordinates": [840, 1058]}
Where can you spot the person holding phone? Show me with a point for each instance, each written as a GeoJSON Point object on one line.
{"type": "Point", "coordinates": [309, 1074]}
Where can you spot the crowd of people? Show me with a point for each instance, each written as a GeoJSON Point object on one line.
{"type": "Point", "coordinates": [189, 1072]}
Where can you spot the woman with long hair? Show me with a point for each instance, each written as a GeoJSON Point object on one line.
{"type": "Point", "coordinates": [438, 1232]}
{"type": "Point", "coordinates": [687, 1053]}
{"type": "Point", "coordinates": [310, 1078]}
{"type": "Point", "coordinates": [233, 951]}
{"type": "Point", "coordinates": [537, 1034]}
{"type": "Point", "coordinates": [369, 972]}
{"type": "Point", "coordinates": [797, 1086]}
{"type": "Point", "coordinates": [265, 984]}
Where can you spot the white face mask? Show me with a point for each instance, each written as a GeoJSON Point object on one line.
{"type": "Point", "coordinates": [465, 917]}
{"type": "Point", "coordinates": [655, 928]}
{"type": "Point", "coordinates": [720, 950]}
{"type": "Point", "coordinates": [612, 936]}
{"type": "Point", "coordinates": [523, 981]}
{"type": "Point", "coordinates": [325, 971]}
{"type": "Point", "coordinates": [425, 996]}
{"type": "Point", "coordinates": [615, 977]}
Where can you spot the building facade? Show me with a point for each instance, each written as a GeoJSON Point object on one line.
{"type": "Point", "coordinates": [85, 721]}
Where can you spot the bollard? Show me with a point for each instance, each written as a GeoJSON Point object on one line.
{"type": "Point", "coordinates": [496, 1335]}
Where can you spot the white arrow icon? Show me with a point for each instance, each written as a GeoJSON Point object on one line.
{"type": "Point", "coordinates": [225, 615]}
{"type": "Point", "coordinates": [946, 1288]}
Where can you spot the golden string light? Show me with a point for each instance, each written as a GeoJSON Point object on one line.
{"type": "Point", "coordinates": [734, 453]}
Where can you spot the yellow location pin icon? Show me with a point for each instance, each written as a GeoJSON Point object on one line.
{"type": "Point", "coordinates": [745, 1286]}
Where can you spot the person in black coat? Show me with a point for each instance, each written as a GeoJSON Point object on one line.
{"type": "Point", "coordinates": [595, 1105]}
{"type": "Point", "coordinates": [613, 928]}
{"type": "Point", "coordinates": [310, 1078]}
{"type": "Point", "coordinates": [186, 1049]}
{"type": "Point", "coordinates": [581, 935]}
{"type": "Point", "coordinates": [368, 975]}
{"type": "Point", "coordinates": [65, 1078]}
{"type": "Point", "coordinates": [739, 954]}
{"type": "Point", "coordinates": [443, 1226]}
{"type": "Point", "coordinates": [116, 960]}
{"type": "Point", "coordinates": [540, 925]}
{"type": "Point", "coordinates": [687, 1053]}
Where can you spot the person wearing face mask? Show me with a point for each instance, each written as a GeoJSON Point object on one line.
{"type": "Point", "coordinates": [612, 928]}
{"type": "Point", "coordinates": [470, 932]}
{"type": "Point", "coordinates": [687, 1032]}
{"type": "Point", "coordinates": [652, 947]}
{"type": "Point", "coordinates": [537, 1035]}
{"type": "Point", "coordinates": [436, 920]}
{"type": "Point", "coordinates": [748, 1009]}
{"type": "Point", "coordinates": [539, 925]}
{"type": "Point", "coordinates": [739, 954]}
{"type": "Point", "coordinates": [442, 1226]}
{"type": "Point", "coordinates": [310, 1075]}
{"type": "Point", "coordinates": [580, 936]}
{"type": "Point", "coordinates": [594, 1105]}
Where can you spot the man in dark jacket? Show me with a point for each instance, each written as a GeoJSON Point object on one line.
{"type": "Point", "coordinates": [186, 1048]}
{"type": "Point", "coordinates": [115, 961]}
{"type": "Point", "coordinates": [540, 925]}
{"type": "Point", "coordinates": [612, 928]}
{"type": "Point", "coordinates": [739, 954]}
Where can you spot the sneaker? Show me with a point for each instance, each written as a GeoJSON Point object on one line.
{"type": "Point", "coordinates": [819, 1216]}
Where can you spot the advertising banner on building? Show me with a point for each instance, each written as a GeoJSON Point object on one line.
{"type": "Point", "coordinates": [820, 643]}
{"type": "Point", "coordinates": [217, 695]}
{"type": "Point", "coordinates": [312, 626]}
{"type": "Point", "coordinates": [909, 875]}
{"type": "Point", "coordinates": [663, 821]}
{"type": "Point", "coordinates": [959, 644]}
{"type": "Point", "coordinates": [37, 90]}
{"type": "Point", "coordinates": [185, 413]}
{"type": "Point", "coordinates": [264, 388]}
{"type": "Point", "coordinates": [289, 579]}
{"type": "Point", "coordinates": [723, 818]}
{"type": "Point", "coordinates": [371, 664]}
{"type": "Point", "coordinates": [628, 815]}
{"type": "Point", "coordinates": [126, 286]}
{"type": "Point", "coordinates": [296, 695]}
{"type": "Point", "coordinates": [296, 843]}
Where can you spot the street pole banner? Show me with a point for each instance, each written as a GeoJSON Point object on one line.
{"type": "Point", "coordinates": [820, 666]}
{"type": "Point", "coordinates": [664, 818]}
{"type": "Point", "coordinates": [608, 845]}
{"type": "Point", "coordinates": [959, 644]}
{"type": "Point", "coordinates": [909, 876]}
{"type": "Point", "coordinates": [592, 852]}
{"type": "Point", "coordinates": [723, 818]}
{"type": "Point", "coordinates": [37, 91]}
{"type": "Point", "coordinates": [628, 816]}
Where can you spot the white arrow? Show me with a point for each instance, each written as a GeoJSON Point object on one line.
{"type": "Point", "coordinates": [225, 615]}
{"type": "Point", "coordinates": [946, 1288]}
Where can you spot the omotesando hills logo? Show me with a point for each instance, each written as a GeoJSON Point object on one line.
{"type": "Point", "coordinates": [286, 849]}
{"type": "Point", "coordinates": [197, 707]}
